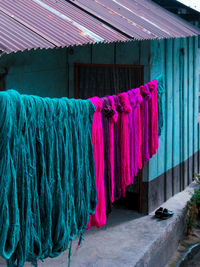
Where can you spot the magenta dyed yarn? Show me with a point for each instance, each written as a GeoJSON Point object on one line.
{"type": "Point", "coordinates": [139, 129]}
{"type": "Point", "coordinates": [153, 115]}
{"type": "Point", "coordinates": [144, 90]}
{"type": "Point", "coordinates": [107, 113]}
{"type": "Point", "coordinates": [117, 169]}
{"type": "Point", "coordinates": [112, 121]}
{"type": "Point", "coordinates": [133, 133]}
{"type": "Point", "coordinates": [99, 218]}
{"type": "Point", "coordinates": [124, 142]}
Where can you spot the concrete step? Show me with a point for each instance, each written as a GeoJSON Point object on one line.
{"type": "Point", "coordinates": [129, 239]}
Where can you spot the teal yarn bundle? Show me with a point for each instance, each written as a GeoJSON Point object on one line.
{"type": "Point", "coordinates": [47, 175]}
{"type": "Point", "coordinates": [160, 91]}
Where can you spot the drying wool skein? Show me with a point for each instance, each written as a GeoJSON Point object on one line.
{"type": "Point", "coordinates": [47, 175]}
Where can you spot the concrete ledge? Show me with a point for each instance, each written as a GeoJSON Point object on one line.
{"type": "Point", "coordinates": [166, 185]}
{"type": "Point", "coordinates": [170, 232]}
{"type": "Point", "coordinates": [129, 239]}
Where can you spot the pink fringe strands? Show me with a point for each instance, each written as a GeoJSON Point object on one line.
{"type": "Point", "coordinates": [124, 142]}
{"type": "Point", "coordinates": [112, 121]}
{"type": "Point", "coordinates": [124, 137]}
{"type": "Point", "coordinates": [153, 118]}
{"type": "Point", "coordinates": [144, 90]}
{"type": "Point", "coordinates": [99, 218]}
{"type": "Point", "coordinates": [139, 127]}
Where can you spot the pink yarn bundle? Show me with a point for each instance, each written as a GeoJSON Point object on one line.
{"type": "Point", "coordinates": [124, 142]}
{"type": "Point", "coordinates": [99, 218]}
{"type": "Point", "coordinates": [144, 90]}
{"type": "Point", "coordinates": [139, 126]}
{"type": "Point", "coordinates": [113, 120]}
{"type": "Point", "coordinates": [124, 137]}
{"type": "Point", "coordinates": [153, 115]}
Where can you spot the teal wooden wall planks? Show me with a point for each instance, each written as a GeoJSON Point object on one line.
{"type": "Point", "coordinates": [190, 102]}
{"type": "Point", "coordinates": [78, 54]}
{"type": "Point", "coordinates": [178, 141]}
{"type": "Point", "coordinates": [40, 72]}
{"type": "Point", "coordinates": [103, 55]}
{"type": "Point", "coordinates": [169, 112]}
{"type": "Point", "coordinates": [196, 128]}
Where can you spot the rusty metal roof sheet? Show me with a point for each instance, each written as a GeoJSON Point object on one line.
{"type": "Point", "coordinates": [49, 23]}
{"type": "Point", "coordinates": [35, 24]}
{"type": "Point", "coordinates": [15, 36]}
{"type": "Point", "coordinates": [139, 19]}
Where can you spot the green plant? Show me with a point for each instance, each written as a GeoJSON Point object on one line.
{"type": "Point", "coordinates": [196, 197]}
{"type": "Point", "coordinates": [193, 210]}
{"type": "Point", "coordinates": [192, 213]}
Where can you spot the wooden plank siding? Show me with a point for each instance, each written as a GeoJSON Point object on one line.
{"type": "Point", "coordinates": [169, 115]}
{"type": "Point", "coordinates": [190, 103]}
{"type": "Point", "coordinates": [156, 66]}
{"type": "Point", "coordinates": [78, 54]}
{"type": "Point", "coordinates": [179, 140]}
{"type": "Point", "coordinates": [196, 128]}
{"type": "Point", "coordinates": [40, 72]}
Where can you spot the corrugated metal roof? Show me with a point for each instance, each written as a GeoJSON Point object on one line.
{"type": "Point", "coordinates": [35, 24]}
{"type": "Point", "coordinates": [52, 24]}
{"type": "Point", "coordinates": [139, 19]}
{"type": "Point", "coordinates": [15, 36]}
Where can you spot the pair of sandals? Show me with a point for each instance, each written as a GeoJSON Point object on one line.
{"type": "Point", "coordinates": [163, 214]}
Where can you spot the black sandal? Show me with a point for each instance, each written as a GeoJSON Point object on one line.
{"type": "Point", "coordinates": [158, 212]}
{"type": "Point", "coordinates": [163, 214]}
{"type": "Point", "coordinates": [166, 214]}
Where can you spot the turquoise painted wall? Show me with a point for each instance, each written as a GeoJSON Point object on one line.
{"type": "Point", "coordinates": [40, 72]}
{"type": "Point", "coordinates": [178, 61]}
{"type": "Point", "coordinates": [51, 73]}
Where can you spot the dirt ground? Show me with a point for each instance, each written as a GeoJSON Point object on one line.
{"type": "Point", "coordinates": [188, 241]}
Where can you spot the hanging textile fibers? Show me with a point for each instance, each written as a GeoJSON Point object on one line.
{"type": "Point", "coordinates": [124, 142]}
{"type": "Point", "coordinates": [117, 171]}
{"type": "Point", "coordinates": [99, 218]}
{"type": "Point", "coordinates": [153, 118]}
{"type": "Point", "coordinates": [130, 138]}
{"type": "Point", "coordinates": [107, 113]}
{"type": "Point", "coordinates": [160, 92]}
{"type": "Point", "coordinates": [145, 92]}
{"type": "Point", "coordinates": [47, 175]}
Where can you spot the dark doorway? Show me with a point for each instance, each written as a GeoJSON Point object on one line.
{"type": "Point", "coordinates": [2, 83]}
{"type": "Point", "coordinates": [105, 79]}
{"type": "Point", "coordinates": [3, 72]}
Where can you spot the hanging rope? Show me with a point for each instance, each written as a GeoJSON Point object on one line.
{"type": "Point", "coordinates": [47, 182]}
